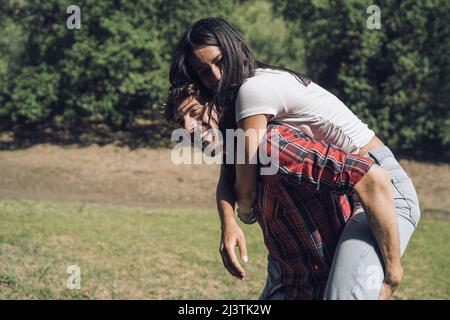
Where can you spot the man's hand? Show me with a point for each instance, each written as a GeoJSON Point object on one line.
{"type": "Point", "coordinates": [377, 198]}
{"type": "Point", "coordinates": [233, 236]}
{"type": "Point", "coordinates": [390, 284]}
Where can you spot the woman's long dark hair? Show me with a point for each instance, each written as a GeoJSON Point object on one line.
{"type": "Point", "coordinates": [237, 60]}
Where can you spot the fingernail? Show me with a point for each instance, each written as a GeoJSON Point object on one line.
{"type": "Point", "coordinates": [245, 258]}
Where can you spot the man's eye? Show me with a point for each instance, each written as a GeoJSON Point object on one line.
{"type": "Point", "coordinates": [195, 111]}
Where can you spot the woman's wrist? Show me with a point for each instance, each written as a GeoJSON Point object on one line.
{"type": "Point", "coordinates": [247, 217]}
{"type": "Point", "coordinates": [244, 211]}
{"type": "Point", "coordinates": [245, 206]}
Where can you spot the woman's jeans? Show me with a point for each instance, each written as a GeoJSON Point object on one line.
{"type": "Point", "coordinates": [358, 271]}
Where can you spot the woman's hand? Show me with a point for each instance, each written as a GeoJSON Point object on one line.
{"type": "Point", "coordinates": [232, 236]}
{"type": "Point", "coordinates": [247, 217]}
{"type": "Point", "coordinates": [391, 283]}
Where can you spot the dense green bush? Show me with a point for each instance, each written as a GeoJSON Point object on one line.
{"type": "Point", "coordinates": [115, 68]}
{"type": "Point", "coordinates": [395, 78]}
{"type": "Point", "coordinates": [110, 71]}
{"type": "Point", "coordinates": [273, 40]}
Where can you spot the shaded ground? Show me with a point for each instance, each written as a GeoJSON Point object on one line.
{"type": "Point", "coordinates": [149, 132]}
{"type": "Point", "coordinates": [147, 177]}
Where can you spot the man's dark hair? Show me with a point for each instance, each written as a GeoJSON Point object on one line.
{"type": "Point", "coordinates": [175, 98]}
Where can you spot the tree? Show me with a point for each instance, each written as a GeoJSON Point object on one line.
{"type": "Point", "coordinates": [395, 78]}
{"type": "Point", "coordinates": [110, 71]}
{"type": "Point", "coordinates": [272, 39]}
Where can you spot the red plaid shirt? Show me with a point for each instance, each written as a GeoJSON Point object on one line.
{"type": "Point", "coordinates": [303, 208]}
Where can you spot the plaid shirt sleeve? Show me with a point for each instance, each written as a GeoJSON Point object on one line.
{"type": "Point", "coordinates": [302, 160]}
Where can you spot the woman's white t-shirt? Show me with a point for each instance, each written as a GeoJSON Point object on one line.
{"type": "Point", "coordinates": [310, 108]}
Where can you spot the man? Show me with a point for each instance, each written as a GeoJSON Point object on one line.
{"type": "Point", "coordinates": [302, 209]}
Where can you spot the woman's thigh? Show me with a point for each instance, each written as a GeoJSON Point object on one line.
{"type": "Point", "coordinates": [357, 271]}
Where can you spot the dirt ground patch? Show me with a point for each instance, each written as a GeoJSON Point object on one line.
{"type": "Point", "coordinates": [109, 174]}
{"type": "Point", "coordinates": [148, 178]}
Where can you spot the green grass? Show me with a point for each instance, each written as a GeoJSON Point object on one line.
{"type": "Point", "coordinates": [427, 262]}
{"type": "Point", "coordinates": [126, 253]}
{"type": "Point", "coordinates": [133, 253]}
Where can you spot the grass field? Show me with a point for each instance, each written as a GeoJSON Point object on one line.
{"type": "Point", "coordinates": [135, 253]}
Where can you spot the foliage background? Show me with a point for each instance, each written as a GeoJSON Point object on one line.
{"type": "Point", "coordinates": [107, 80]}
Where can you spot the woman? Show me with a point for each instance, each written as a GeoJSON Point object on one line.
{"type": "Point", "coordinates": [248, 94]}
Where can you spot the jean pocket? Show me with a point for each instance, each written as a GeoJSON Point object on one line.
{"type": "Point", "coordinates": [406, 201]}
{"type": "Point", "coordinates": [400, 192]}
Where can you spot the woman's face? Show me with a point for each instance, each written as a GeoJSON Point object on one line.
{"type": "Point", "coordinates": [207, 64]}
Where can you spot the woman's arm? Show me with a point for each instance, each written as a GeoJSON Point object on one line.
{"type": "Point", "coordinates": [254, 128]}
